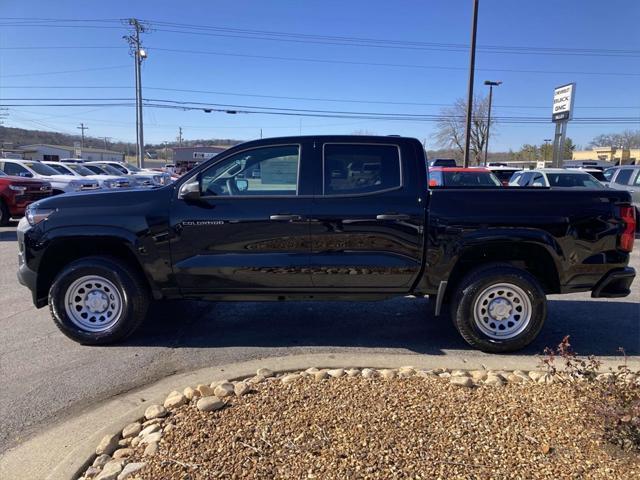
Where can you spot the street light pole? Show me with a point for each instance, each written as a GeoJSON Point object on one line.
{"type": "Point", "coordinates": [491, 85]}
{"type": "Point", "coordinates": [472, 66]}
{"type": "Point", "coordinates": [546, 148]}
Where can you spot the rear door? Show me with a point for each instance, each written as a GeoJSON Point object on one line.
{"type": "Point", "coordinates": [367, 218]}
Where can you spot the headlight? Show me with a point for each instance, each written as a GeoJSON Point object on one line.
{"type": "Point", "coordinates": [158, 180]}
{"type": "Point", "coordinates": [17, 188]}
{"type": "Point", "coordinates": [35, 215]}
{"type": "Point", "coordinates": [75, 185]}
{"type": "Point", "coordinates": [108, 184]}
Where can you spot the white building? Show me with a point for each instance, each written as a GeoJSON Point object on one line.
{"type": "Point", "coordinates": [54, 153]}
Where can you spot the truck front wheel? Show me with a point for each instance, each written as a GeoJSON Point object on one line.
{"type": "Point", "coordinates": [499, 308]}
{"type": "Point", "coordinates": [98, 300]}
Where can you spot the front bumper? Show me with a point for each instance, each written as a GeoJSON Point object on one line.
{"type": "Point", "coordinates": [615, 283]}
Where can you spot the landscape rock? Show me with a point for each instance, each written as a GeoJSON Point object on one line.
{"type": "Point", "coordinates": [108, 444]}
{"type": "Point", "coordinates": [290, 378]}
{"type": "Point", "coordinates": [205, 390]}
{"type": "Point", "coordinates": [478, 374]}
{"type": "Point", "coordinates": [535, 375]}
{"type": "Point", "coordinates": [546, 378]}
{"type": "Point", "coordinates": [101, 460]}
{"type": "Point", "coordinates": [256, 380]}
{"type": "Point", "coordinates": [149, 430]}
{"type": "Point", "coordinates": [150, 450]}
{"type": "Point", "coordinates": [387, 373]}
{"type": "Point", "coordinates": [152, 438]}
{"type": "Point", "coordinates": [131, 469]}
{"type": "Point", "coordinates": [131, 430]}
{"type": "Point", "coordinates": [494, 381]}
{"type": "Point", "coordinates": [224, 390]}
{"type": "Point", "coordinates": [369, 373]}
{"type": "Point", "coordinates": [175, 400]}
{"type": "Point", "coordinates": [110, 471]}
{"type": "Point", "coordinates": [135, 442]}
{"type": "Point", "coordinates": [209, 404]}
{"type": "Point", "coordinates": [336, 372]}
{"type": "Point", "coordinates": [406, 372]}
{"type": "Point", "coordinates": [125, 442]}
{"type": "Point", "coordinates": [155, 411]}
{"type": "Point", "coordinates": [122, 453]}
{"type": "Point", "coordinates": [461, 381]}
{"type": "Point", "coordinates": [352, 372]}
{"type": "Point", "coordinates": [190, 393]}
{"type": "Point", "coordinates": [321, 375]}
{"type": "Point", "coordinates": [459, 373]}
{"type": "Point", "coordinates": [241, 388]}
{"type": "Point", "coordinates": [312, 370]}
{"type": "Point", "coordinates": [91, 472]}
{"type": "Point", "coordinates": [265, 372]}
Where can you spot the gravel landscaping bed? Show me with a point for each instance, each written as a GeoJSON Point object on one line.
{"type": "Point", "coordinates": [368, 423]}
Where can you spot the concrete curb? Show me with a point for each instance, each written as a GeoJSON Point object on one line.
{"type": "Point", "coordinates": [62, 451]}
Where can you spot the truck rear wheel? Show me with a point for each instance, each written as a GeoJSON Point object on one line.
{"type": "Point", "coordinates": [98, 300]}
{"type": "Point", "coordinates": [499, 308]}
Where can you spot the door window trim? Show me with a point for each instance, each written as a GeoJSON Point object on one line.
{"type": "Point", "coordinates": [232, 197]}
{"type": "Point", "coordinates": [365, 194]}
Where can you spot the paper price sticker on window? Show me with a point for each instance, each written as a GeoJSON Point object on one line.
{"type": "Point", "coordinates": [563, 98]}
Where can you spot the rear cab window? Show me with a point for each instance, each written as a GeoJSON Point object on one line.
{"type": "Point", "coordinates": [360, 169]}
{"type": "Point", "coordinates": [623, 176]}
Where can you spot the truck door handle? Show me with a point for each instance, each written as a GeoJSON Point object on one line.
{"type": "Point", "coordinates": [285, 217]}
{"type": "Point", "coordinates": [392, 216]}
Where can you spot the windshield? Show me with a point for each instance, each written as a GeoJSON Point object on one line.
{"type": "Point", "coordinates": [97, 170]}
{"type": "Point", "coordinates": [61, 169]}
{"type": "Point", "coordinates": [470, 179]}
{"type": "Point", "coordinates": [42, 169]}
{"type": "Point", "coordinates": [583, 180]}
{"type": "Point", "coordinates": [80, 170]}
{"type": "Point", "coordinates": [121, 170]}
{"type": "Point", "coordinates": [111, 170]}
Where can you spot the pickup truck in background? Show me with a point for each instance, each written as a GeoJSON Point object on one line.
{"type": "Point", "coordinates": [325, 217]}
{"type": "Point", "coordinates": [16, 193]}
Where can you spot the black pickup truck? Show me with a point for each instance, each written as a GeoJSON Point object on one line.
{"type": "Point", "coordinates": [325, 217]}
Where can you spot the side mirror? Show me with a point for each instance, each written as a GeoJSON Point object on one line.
{"type": "Point", "coordinates": [190, 190]}
{"type": "Point", "coordinates": [242, 184]}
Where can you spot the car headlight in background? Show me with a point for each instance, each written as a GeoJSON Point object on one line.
{"type": "Point", "coordinates": [109, 184]}
{"type": "Point", "coordinates": [158, 180]}
{"type": "Point", "coordinates": [75, 186]}
{"type": "Point", "coordinates": [17, 188]}
{"type": "Point", "coordinates": [35, 215]}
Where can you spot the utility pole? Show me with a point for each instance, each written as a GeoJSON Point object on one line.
{"type": "Point", "coordinates": [139, 54]}
{"type": "Point", "coordinates": [472, 66]}
{"type": "Point", "coordinates": [180, 136]}
{"type": "Point", "coordinates": [82, 128]}
{"type": "Point", "coordinates": [546, 148]}
{"type": "Point", "coordinates": [491, 85]}
{"type": "Point", "coordinates": [106, 139]}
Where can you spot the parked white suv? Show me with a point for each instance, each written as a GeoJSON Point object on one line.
{"type": "Point", "coordinates": [144, 178]}
{"type": "Point", "coordinates": [77, 170]}
{"type": "Point", "coordinates": [59, 183]}
{"type": "Point", "coordinates": [554, 178]}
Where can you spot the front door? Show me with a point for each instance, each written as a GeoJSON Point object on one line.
{"type": "Point", "coordinates": [367, 222]}
{"type": "Point", "coordinates": [248, 231]}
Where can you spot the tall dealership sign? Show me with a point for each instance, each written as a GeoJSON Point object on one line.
{"type": "Point", "coordinates": [562, 112]}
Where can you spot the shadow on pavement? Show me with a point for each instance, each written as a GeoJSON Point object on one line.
{"type": "Point", "coordinates": [8, 236]}
{"type": "Point", "coordinates": [595, 327]}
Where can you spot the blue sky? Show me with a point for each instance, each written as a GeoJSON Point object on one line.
{"type": "Point", "coordinates": [417, 82]}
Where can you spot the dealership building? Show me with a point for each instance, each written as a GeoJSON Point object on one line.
{"type": "Point", "coordinates": [186, 155]}
{"type": "Point", "coordinates": [54, 153]}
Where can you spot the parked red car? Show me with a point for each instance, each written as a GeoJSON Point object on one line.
{"type": "Point", "coordinates": [462, 177]}
{"type": "Point", "coordinates": [16, 193]}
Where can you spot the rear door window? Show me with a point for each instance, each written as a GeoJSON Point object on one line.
{"type": "Point", "coordinates": [623, 176]}
{"type": "Point", "coordinates": [357, 169]}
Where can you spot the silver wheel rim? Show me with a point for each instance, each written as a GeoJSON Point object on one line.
{"type": "Point", "coordinates": [502, 311]}
{"type": "Point", "coordinates": [93, 303]}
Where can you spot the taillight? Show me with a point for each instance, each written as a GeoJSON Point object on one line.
{"type": "Point", "coordinates": [628, 216]}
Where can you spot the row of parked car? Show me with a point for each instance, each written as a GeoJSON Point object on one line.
{"type": "Point", "coordinates": [23, 182]}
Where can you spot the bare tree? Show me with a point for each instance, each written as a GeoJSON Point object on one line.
{"type": "Point", "coordinates": [450, 128]}
{"type": "Point", "coordinates": [626, 139]}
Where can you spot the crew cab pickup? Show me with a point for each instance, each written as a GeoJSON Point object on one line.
{"type": "Point", "coordinates": [16, 193]}
{"type": "Point", "coordinates": [325, 217]}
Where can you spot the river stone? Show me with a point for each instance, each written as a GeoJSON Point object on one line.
{"type": "Point", "coordinates": [204, 390]}
{"type": "Point", "coordinates": [494, 381]}
{"type": "Point", "coordinates": [535, 375]}
{"type": "Point", "coordinates": [369, 373]}
{"type": "Point", "coordinates": [122, 453]}
{"type": "Point", "coordinates": [155, 411]}
{"type": "Point", "coordinates": [149, 430]}
{"type": "Point", "coordinates": [150, 450]}
{"type": "Point", "coordinates": [110, 471]}
{"type": "Point", "coordinates": [101, 460]}
{"type": "Point", "coordinates": [459, 373]}
{"type": "Point", "coordinates": [387, 373]}
{"type": "Point", "coordinates": [125, 442]}
{"type": "Point", "coordinates": [546, 378]}
{"type": "Point", "coordinates": [209, 404]}
{"type": "Point", "coordinates": [321, 375]}
{"type": "Point", "coordinates": [478, 374]}
{"type": "Point", "coordinates": [108, 444]}
{"type": "Point", "coordinates": [175, 400]}
{"type": "Point", "coordinates": [405, 372]}
{"type": "Point", "coordinates": [336, 372]}
{"type": "Point", "coordinates": [130, 469]}
{"type": "Point", "coordinates": [312, 370]}
{"type": "Point", "coordinates": [131, 430]}
{"type": "Point", "coordinates": [461, 381]}
{"type": "Point", "coordinates": [152, 437]}
{"type": "Point", "coordinates": [224, 390]}
{"type": "Point", "coordinates": [91, 472]}
{"type": "Point", "coordinates": [353, 372]}
{"type": "Point", "coordinates": [265, 372]}
{"type": "Point", "coordinates": [135, 442]}
{"type": "Point", "coordinates": [290, 378]}
{"type": "Point", "coordinates": [241, 388]}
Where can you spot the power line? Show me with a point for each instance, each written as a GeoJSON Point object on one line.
{"type": "Point", "coordinates": [63, 71]}
{"type": "Point", "coordinates": [284, 97]}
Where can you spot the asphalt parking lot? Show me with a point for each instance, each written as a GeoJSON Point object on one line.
{"type": "Point", "coordinates": [46, 377]}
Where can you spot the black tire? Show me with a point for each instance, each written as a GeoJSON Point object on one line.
{"type": "Point", "coordinates": [131, 287]}
{"type": "Point", "coordinates": [472, 287]}
{"type": "Point", "coordinates": [4, 214]}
